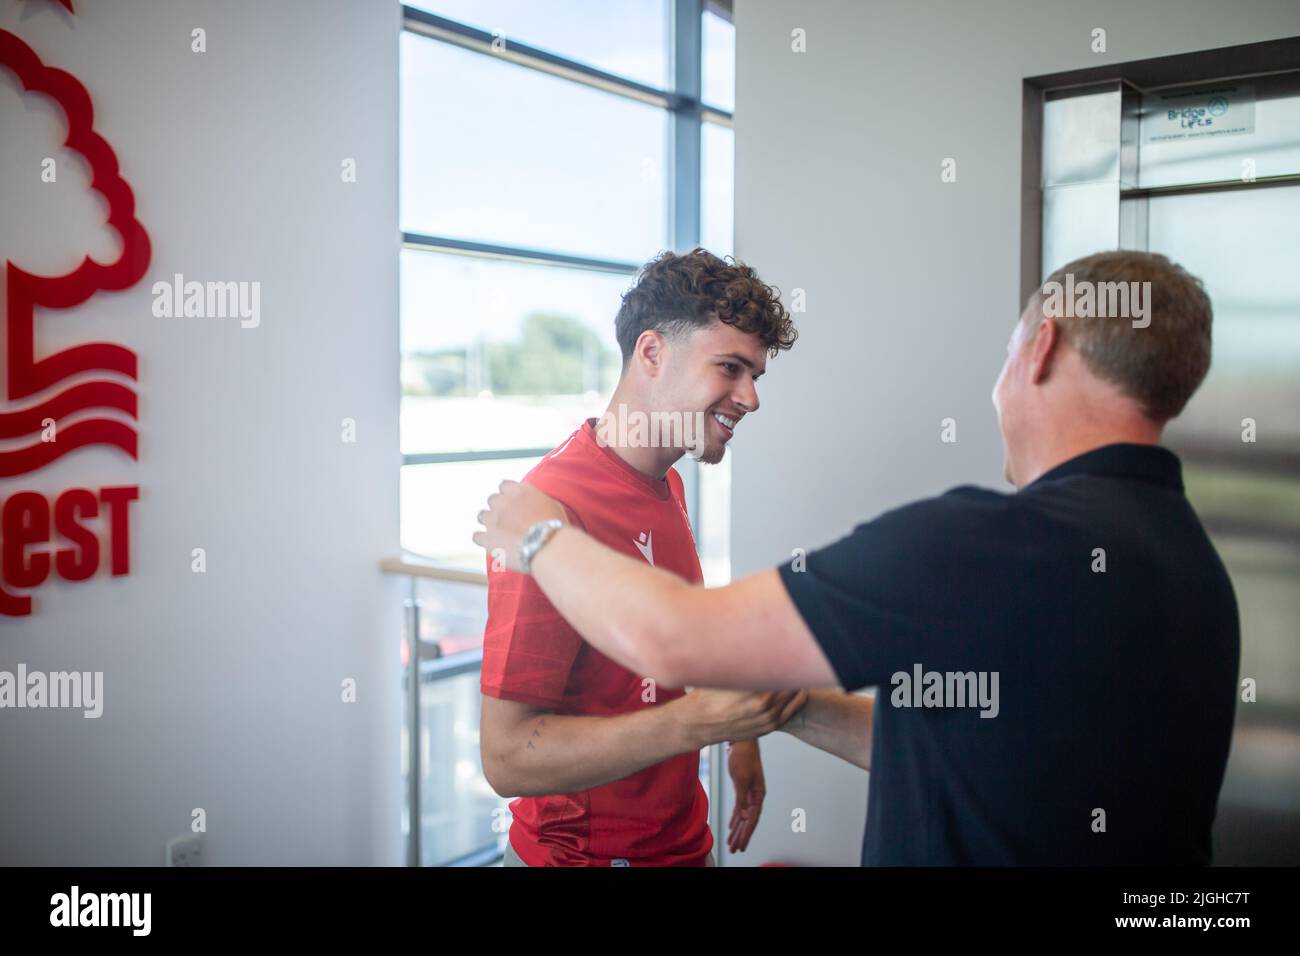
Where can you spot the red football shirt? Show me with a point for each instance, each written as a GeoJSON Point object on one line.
{"type": "Point", "coordinates": [659, 815]}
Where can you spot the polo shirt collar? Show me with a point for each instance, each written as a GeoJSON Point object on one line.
{"type": "Point", "coordinates": [1150, 463]}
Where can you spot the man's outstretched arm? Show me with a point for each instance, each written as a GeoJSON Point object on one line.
{"type": "Point", "coordinates": [745, 635]}
{"type": "Point", "coordinates": [838, 723]}
{"type": "Point", "coordinates": [529, 751]}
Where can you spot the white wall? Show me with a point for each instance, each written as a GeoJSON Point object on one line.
{"type": "Point", "coordinates": [912, 283]}
{"type": "Point", "coordinates": [222, 690]}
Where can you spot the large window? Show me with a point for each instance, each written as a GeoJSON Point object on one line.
{"type": "Point", "coordinates": [548, 150]}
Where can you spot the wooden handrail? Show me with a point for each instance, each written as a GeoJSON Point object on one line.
{"type": "Point", "coordinates": [422, 568]}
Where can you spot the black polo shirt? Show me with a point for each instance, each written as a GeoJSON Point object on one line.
{"type": "Point", "coordinates": [1109, 694]}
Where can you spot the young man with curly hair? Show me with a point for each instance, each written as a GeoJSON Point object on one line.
{"type": "Point", "coordinates": [1091, 600]}
{"type": "Point", "coordinates": [605, 760]}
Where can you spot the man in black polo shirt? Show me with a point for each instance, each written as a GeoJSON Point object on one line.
{"type": "Point", "coordinates": [1056, 668]}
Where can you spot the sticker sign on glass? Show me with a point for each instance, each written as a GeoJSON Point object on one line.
{"type": "Point", "coordinates": [1197, 113]}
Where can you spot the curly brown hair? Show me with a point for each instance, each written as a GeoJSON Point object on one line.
{"type": "Point", "coordinates": [677, 294]}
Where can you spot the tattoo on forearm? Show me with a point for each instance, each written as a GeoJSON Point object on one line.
{"type": "Point", "coordinates": [536, 732]}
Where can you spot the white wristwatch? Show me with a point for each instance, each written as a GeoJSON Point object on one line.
{"type": "Point", "coordinates": [534, 538]}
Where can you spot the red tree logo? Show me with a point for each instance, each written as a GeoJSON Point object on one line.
{"type": "Point", "coordinates": [26, 376]}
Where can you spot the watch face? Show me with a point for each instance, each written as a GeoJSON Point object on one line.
{"type": "Point", "coordinates": [532, 541]}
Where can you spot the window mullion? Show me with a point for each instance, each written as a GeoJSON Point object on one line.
{"type": "Point", "coordinates": [684, 133]}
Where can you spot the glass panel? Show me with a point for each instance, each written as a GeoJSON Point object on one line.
{"type": "Point", "coordinates": [713, 536]}
{"type": "Point", "coordinates": [1081, 135]}
{"type": "Point", "coordinates": [717, 188]}
{"type": "Point", "coordinates": [440, 504]}
{"type": "Point", "coordinates": [451, 616]}
{"type": "Point", "coordinates": [494, 152]}
{"type": "Point", "coordinates": [1238, 499]}
{"type": "Point", "coordinates": [1264, 576]}
{"type": "Point", "coordinates": [718, 43]}
{"type": "Point", "coordinates": [1078, 221]}
{"type": "Point", "coordinates": [457, 803]}
{"type": "Point", "coordinates": [629, 38]}
{"type": "Point", "coordinates": [1229, 130]}
{"type": "Point", "coordinates": [1244, 245]}
{"type": "Point", "coordinates": [1257, 822]}
{"type": "Point", "coordinates": [503, 355]}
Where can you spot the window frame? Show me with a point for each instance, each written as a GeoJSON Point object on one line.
{"type": "Point", "coordinates": [686, 114]}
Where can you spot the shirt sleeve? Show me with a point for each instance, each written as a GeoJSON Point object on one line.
{"type": "Point", "coordinates": [528, 648]}
{"type": "Point", "coordinates": [899, 590]}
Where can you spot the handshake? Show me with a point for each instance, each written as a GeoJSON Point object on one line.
{"type": "Point", "coordinates": [713, 716]}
